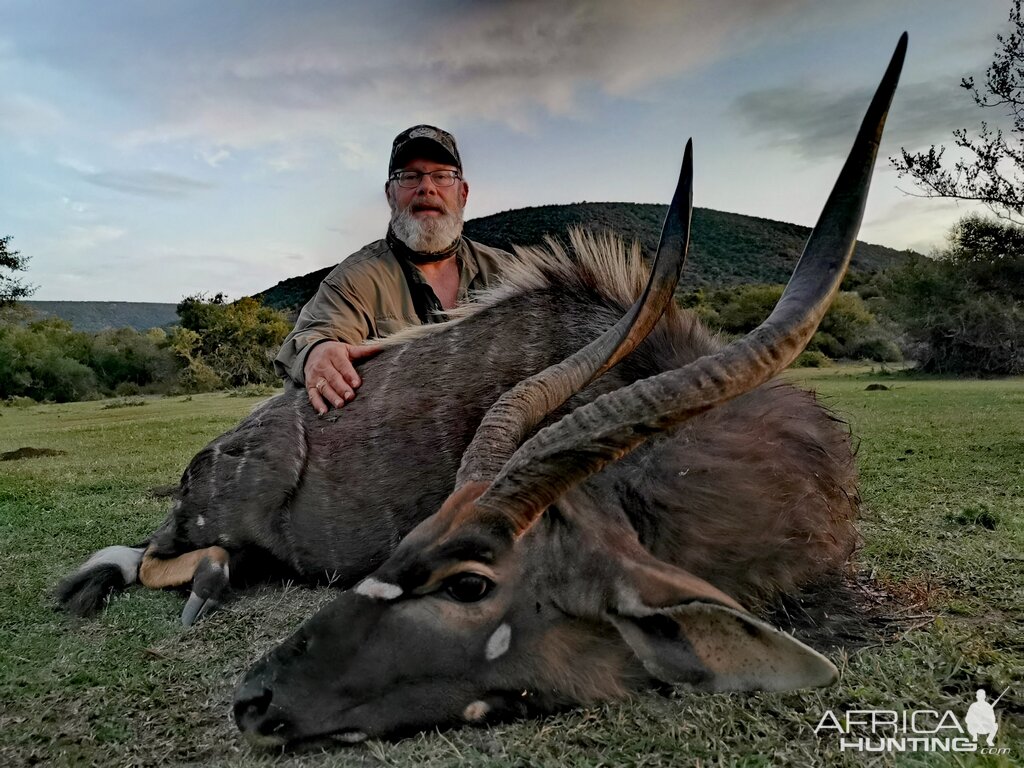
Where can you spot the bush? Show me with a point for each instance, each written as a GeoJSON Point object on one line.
{"type": "Point", "coordinates": [127, 389]}
{"type": "Point", "coordinates": [44, 360]}
{"type": "Point", "coordinates": [254, 390]}
{"type": "Point", "coordinates": [225, 344]}
{"type": "Point", "coordinates": [825, 344]}
{"type": "Point", "coordinates": [810, 358]}
{"type": "Point", "coordinates": [48, 360]}
{"type": "Point", "coordinates": [63, 380]}
{"type": "Point", "coordinates": [962, 311]}
{"type": "Point", "coordinates": [18, 401]}
{"type": "Point", "coordinates": [878, 349]}
{"type": "Point", "coordinates": [848, 330]}
{"type": "Point", "coordinates": [217, 345]}
{"type": "Point", "coordinates": [743, 308]}
{"type": "Point", "coordinates": [197, 376]}
{"type": "Point", "coordinates": [125, 358]}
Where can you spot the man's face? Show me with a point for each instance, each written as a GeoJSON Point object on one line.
{"type": "Point", "coordinates": [427, 218]}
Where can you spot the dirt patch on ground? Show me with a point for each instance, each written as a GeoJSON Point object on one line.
{"type": "Point", "coordinates": [30, 453]}
{"type": "Point", "coordinates": [852, 611]}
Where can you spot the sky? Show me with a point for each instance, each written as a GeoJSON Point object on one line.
{"type": "Point", "coordinates": [154, 150]}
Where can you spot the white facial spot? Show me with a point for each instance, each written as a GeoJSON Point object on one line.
{"type": "Point", "coordinates": [476, 710]}
{"type": "Point", "coordinates": [630, 602]}
{"type": "Point", "coordinates": [200, 521]}
{"type": "Point", "coordinates": [379, 590]}
{"type": "Point", "coordinates": [499, 642]}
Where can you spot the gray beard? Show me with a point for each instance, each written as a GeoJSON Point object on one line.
{"type": "Point", "coordinates": [431, 235]}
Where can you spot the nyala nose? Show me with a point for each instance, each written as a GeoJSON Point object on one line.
{"type": "Point", "coordinates": [252, 701]}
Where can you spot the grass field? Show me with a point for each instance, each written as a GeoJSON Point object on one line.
{"type": "Point", "coordinates": [942, 465]}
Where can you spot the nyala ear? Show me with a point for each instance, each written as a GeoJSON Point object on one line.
{"type": "Point", "coordinates": [686, 631]}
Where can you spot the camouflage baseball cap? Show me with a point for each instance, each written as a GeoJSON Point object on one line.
{"type": "Point", "coordinates": [427, 142]}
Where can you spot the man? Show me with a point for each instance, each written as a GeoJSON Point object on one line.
{"type": "Point", "coordinates": [981, 718]}
{"type": "Point", "coordinates": [423, 267]}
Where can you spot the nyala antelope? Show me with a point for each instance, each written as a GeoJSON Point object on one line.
{"type": "Point", "coordinates": [623, 484]}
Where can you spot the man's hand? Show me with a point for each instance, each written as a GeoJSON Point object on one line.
{"type": "Point", "coordinates": [330, 375]}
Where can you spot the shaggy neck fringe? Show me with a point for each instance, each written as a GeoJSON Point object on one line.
{"type": "Point", "coordinates": [594, 262]}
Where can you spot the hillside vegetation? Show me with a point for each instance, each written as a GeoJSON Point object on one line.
{"type": "Point", "coordinates": [213, 344]}
{"type": "Point", "coordinates": [726, 248]}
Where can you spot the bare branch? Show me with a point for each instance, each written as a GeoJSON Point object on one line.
{"type": "Point", "coordinates": [991, 169]}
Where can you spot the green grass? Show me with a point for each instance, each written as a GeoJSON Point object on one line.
{"type": "Point", "coordinates": [942, 466]}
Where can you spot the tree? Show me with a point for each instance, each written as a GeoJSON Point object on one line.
{"type": "Point", "coordinates": [991, 169]}
{"type": "Point", "coordinates": [233, 344]}
{"type": "Point", "coordinates": [963, 312]}
{"type": "Point", "coordinates": [848, 330]}
{"type": "Point", "coordinates": [45, 360]}
{"type": "Point", "coordinates": [12, 261]}
{"type": "Point", "coordinates": [126, 360]}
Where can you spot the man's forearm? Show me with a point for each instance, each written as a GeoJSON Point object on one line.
{"type": "Point", "coordinates": [331, 315]}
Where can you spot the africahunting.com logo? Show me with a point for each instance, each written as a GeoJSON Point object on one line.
{"type": "Point", "coordinates": [916, 730]}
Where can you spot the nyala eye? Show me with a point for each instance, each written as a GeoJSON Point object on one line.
{"type": "Point", "coordinates": [468, 587]}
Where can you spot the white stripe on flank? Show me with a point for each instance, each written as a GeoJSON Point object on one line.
{"type": "Point", "coordinates": [380, 590]}
{"type": "Point", "coordinates": [125, 558]}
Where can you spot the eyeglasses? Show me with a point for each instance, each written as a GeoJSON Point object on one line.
{"type": "Point", "coordinates": [412, 179]}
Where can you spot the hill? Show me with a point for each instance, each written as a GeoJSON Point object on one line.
{"type": "Point", "coordinates": [726, 248]}
{"type": "Point", "coordinates": [94, 316]}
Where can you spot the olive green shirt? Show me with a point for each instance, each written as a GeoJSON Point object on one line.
{"type": "Point", "coordinates": [367, 296]}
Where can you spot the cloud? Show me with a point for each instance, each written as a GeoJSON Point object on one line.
{"type": "Point", "coordinates": [354, 156]}
{"type": "Point", "coordinates": [78, 209]}
{"type": "Point", "coordinates": [336, 70]}
{"type": "Point", "coordinates": [147, 183]}
{"type": "Point", "coordinates": [23, 116]}
{"type": "Point", "coordinates": [77, 165]}
{"type": "Point", "coordinates": [287, 159]}
{"type": "Point", "coordinates": [295, 254]}
{"type": "Point", "coordinates": [816, 124]}
{"type": "Point", "coordinates": [920, 224]}
{"type": "Point", "coordinates": [213, 157]}
{"type": "Point", "coordinates": [87, 238]}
